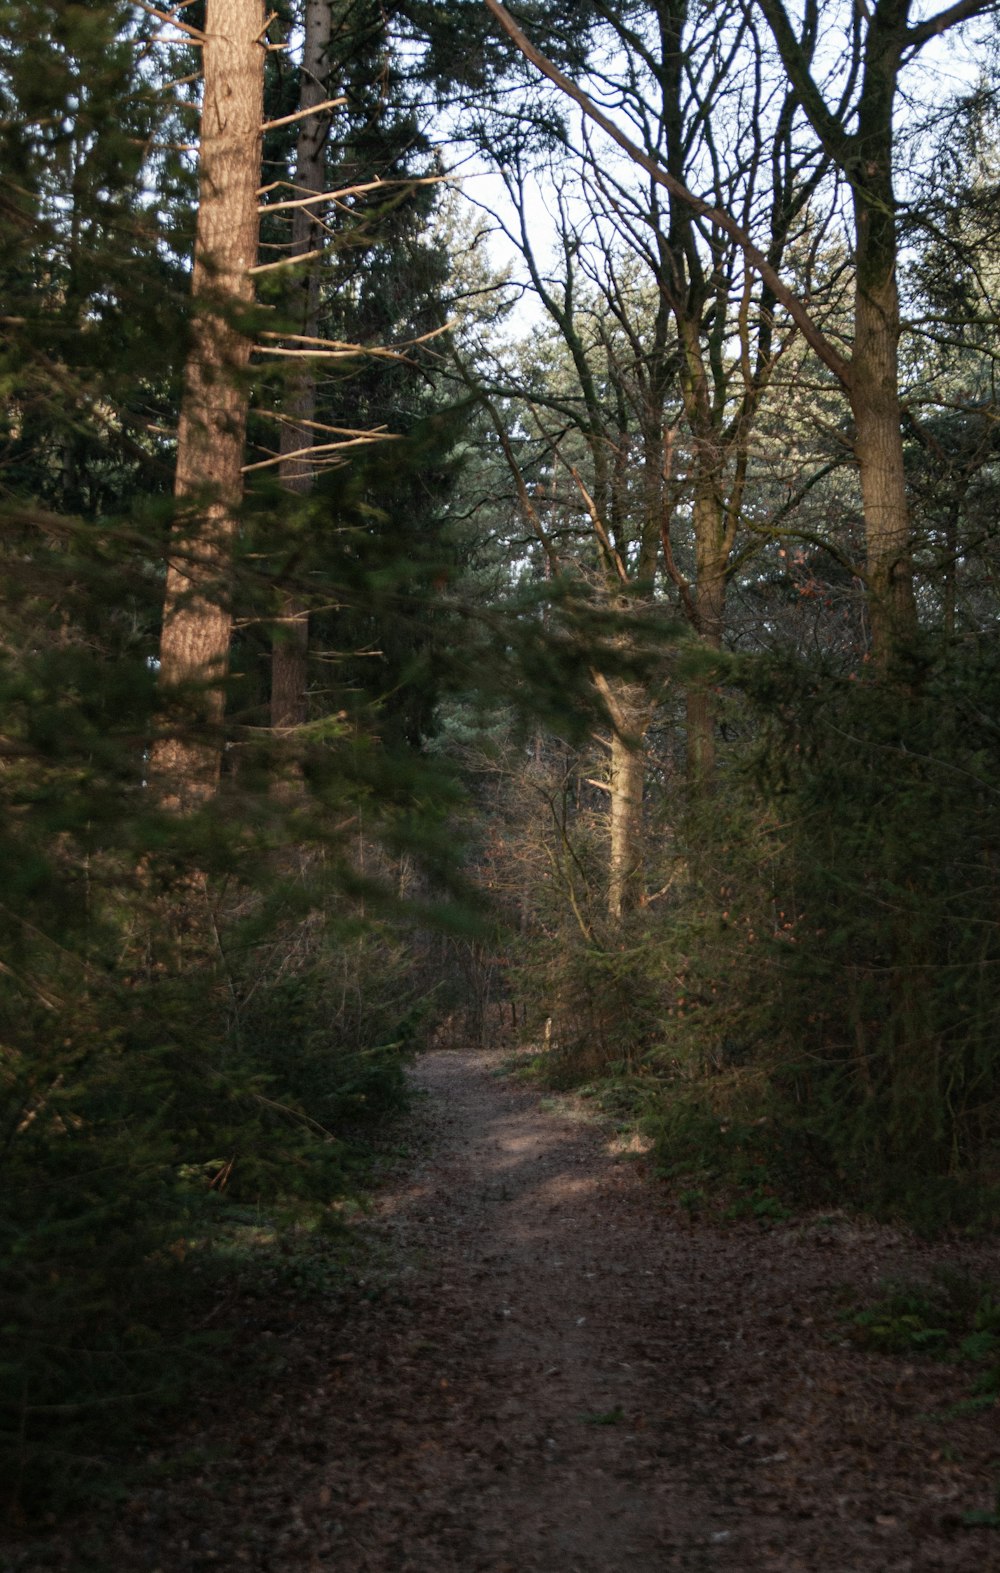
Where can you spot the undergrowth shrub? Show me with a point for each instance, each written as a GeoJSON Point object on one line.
{"type": "Point", "coordinates": [200, 1015]}
{"type": "Point", "coordinates": [887, 1005]}
{"type": "Point", "coordinates": [106, 1171]}
{"type": "Point", "coordinates": [810, 1007]}
{"type": "Point", "coordinates": [336, 1033]}
{"type": "Point", "coordinates": [950, 1316]}
{"type": "Point", "coordinates": [837, 1033]}
{"type": "Point", "coordinates": [155, 1082]}
{"type": "Point", "coordinates": [603, 1002]}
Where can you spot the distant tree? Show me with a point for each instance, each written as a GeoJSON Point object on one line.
{"type": "Point", "coordinates": [93, 189]}
{"type": "Point", "coordinates": [858, 134]}
{"type": "Point", "coordinates": [289, 661]}
{"type": "Point", "coordinates": [694, 81]}
{"type": "Point", "coordinates": [951, 305]}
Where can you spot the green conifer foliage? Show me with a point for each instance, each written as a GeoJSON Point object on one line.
{"type": "Point", "coordinates": [364, 548]}
{"type": "Point", "coordinates": [172, 1045]}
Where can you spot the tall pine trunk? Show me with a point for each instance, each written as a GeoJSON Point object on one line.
{"type": "Point", "coordinates": [197, 620]}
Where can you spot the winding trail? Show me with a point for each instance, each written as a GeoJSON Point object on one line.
{"type": "Point", "coordinates": [558, 1443]}
{"type": "Point", "coordinates": [573, 1378]}
{"type": "Point", "coordinates": [550, 1369]}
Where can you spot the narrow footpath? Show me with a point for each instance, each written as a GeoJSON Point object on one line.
{"type": "Point", "coordinates": [553, 1370]}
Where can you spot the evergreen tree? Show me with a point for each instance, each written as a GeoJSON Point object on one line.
{"type": "Point", "coordinates": [164, 1041]}
{"type": "Point", "coordinates": [369, 538]}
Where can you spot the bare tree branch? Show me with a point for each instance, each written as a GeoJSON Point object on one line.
{"type": "Point", "coordinates": [724, 221]}
{"type": "Point", "coordinates": [961, 11]}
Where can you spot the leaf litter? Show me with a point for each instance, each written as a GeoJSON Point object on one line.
{"type": "Point", "coordinates": [549, 1366]}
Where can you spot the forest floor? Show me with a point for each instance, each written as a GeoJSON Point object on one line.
{"type": "Point", "coordinates": [546, 1366]}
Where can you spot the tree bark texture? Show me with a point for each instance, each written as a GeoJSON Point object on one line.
{"type": "Point", "coordinates": [871, 379]}
{"type": "Point", "coordinates": [878, 447]}
{"type": "Point", "coordinates": [712, 552]}
{"type": "Point", "coordinates": [874, 386]}
{"type": "Point", "coordinates": [197, 620]}
{"type": "Point", "coordinates": [630, 714]}
{"type": "Point", "coordinates": [290, 654]}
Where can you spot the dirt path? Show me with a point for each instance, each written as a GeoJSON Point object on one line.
{"type": "Point", "coordinates": [590, 1384]}
{"type": "Point", "coordinates": [555, 1372]}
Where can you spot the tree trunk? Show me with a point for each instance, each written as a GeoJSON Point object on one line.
{"type": "Point", "coordinates": [709, 598]}
{"type": "Point", "coordinates": [194, 644]}
{"type": "Point", "coordinates": [878, 445]}
{"type": "Point", "coordinates": [878, 442]}
{"type": "Point", "coordinates": [289, 658]}
{"type": "Point", "coordinates": [886, 41]}
{"type": "Point", "coordinates": [866, 156]}
{"type": "Point", "coordinates": [628, 772]}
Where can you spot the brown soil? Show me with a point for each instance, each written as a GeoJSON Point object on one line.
{"type": "Point", "coordinates": [558, 1372]}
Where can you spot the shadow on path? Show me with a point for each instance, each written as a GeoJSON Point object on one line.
{"type": "Point", "coordinates": [547, 1368]}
